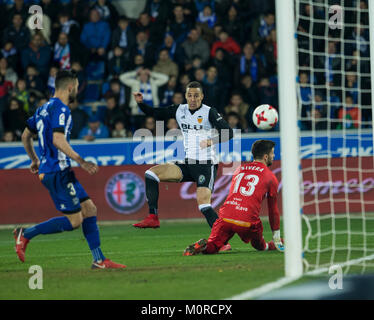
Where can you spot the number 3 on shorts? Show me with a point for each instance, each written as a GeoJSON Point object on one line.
{"type": "Point", "coordinates": [71, 188]}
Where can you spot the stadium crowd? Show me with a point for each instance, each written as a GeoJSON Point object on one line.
{"type": "Point", "coordinates": [227, 45]}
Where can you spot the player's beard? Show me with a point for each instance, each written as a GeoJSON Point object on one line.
{"type": "Point", "coordinates": [269, 162]}
{"type": "Point", "coordinates": [72, 96]}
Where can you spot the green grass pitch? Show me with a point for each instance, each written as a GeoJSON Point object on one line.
{"type": "Point", "coordinates": [156, 268]}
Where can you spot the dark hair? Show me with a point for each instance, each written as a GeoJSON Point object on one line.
{"type": "Point", "coordinates": [63, 78]}
{"type": "Point", "coordinates": [262, 147]}
{"type": "Point", "coordinates": [194, 84]}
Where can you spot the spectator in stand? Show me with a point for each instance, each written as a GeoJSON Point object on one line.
{"type": "Point", "coordinates": [248, 91]}
{"type": "Point", "coordinates": [51, 80]}
{"type": "Point", "coordinates": [165, 65]}
{"type": "Point", "coordinates": [215, 93]}
{"type": "Point", "coordinates": [359, 40]}
{"type": "Point", "coordinates": [184, 79]}
{"type": "Point", "coordinates": [17, 33]}
{"type": "Point", "coordinates": [5, 87]}
{"type": "Point", "coordinates": [9, 52]}
{"type": "Point", "coordinates": [76, 66]}
{"type": "Point", "coordinates": [17, 8]}
{"type": "Point", "coordinates": [120, 92]}
{"type": "Point", "coordinates": [195, 46]}
{"type": "Point", "coordinates": [270, 53]}
{"type": "Point", "coordinates": [201, 4]}
{"type": "Point", "coordinates": [147, 82]}
{"type": "Point", "coordinates": [318, 120]}
{"type": "Point", "coordinates": [199, 75]}
{"type": "Point", "coordinates": [268, 94]}
{"type": "Point", "coordinates": [8, 136]}
{"type": "Point", "coordinates": [176, 53]}
{"type": "Point", "coordinates": [261, 28]}
{"type": "Point", "coordinates": [241, 108]}
{"type": "Point", "coordinates": [172, 125]}
{"type": "Point", "coordinates": [178, 98]}
{"type": "Point", "coordinates": [305, 89]}
{"type": "Point", "coordinates": [350, 115]}
{"type": "Point", "coordinates": [113, 112]}
{"type": "Point", "coordinates": [94, 130]}
{"type": "Point", "coordinates": [14, 118]}
{"type": "Point", "coordinates": [33, 80]}
{"type": "Point", "coordinates": [232, 23]}
{"type": "Point", "coordinates": [107, 11]}
{"type": "Point", "coordinates": [158, 10]}
{"type": "Point", "coordinates": [51, 9]}
{"type": "Point", "coordinates": [45, 30]}
{"type": "Point", "coordinates": [144, 47]}
{"type": "Point", "coordinates": [222, 62]}
{"type": "Point", "coordinates": [138, 62]}
{"type": "Point", "coordinates": [37, 54]}
{"type": "Point", "coordinates": [78, 9]}
{"type": "Point", "coordinates": [118, 64]}
{"type": "Point", "coordinates": [329, 63]}
{"type": "Point", "coordinates": [167, 91]}
{"type": "Point", "coordinates": [233, 119]}
{"type": "Point", "coordinates": [180, 26]}
{"type": "Point", "coordinates": [227, 43]}
{"type": "Point", "coordinates": [123, 35]}
{"type": "Point", "coordinates": [249, 64]}
{"type": "Point", "coordinates": [95, 35]}
{"type": "Point", "coordinates": [21, 94]}
{"type": "Point", "coordinates": [64, 52]}
{"type": "Point", "coordinates": [120, 130]}
{"type": "Point", "coordinates": [351, 85]}
{"type": "Point", "coordinates": [79, 118]}
{"type": "Point", "coordinates": [7, 72]}
{"type": "Point", "coordinates": [66, 25]}
{"type": "Point", "coordinates": [207, 16]}
{"type": "Point", "coordinates": [153, 30]}
{"type": "Point", "coordinates": [150, 124]}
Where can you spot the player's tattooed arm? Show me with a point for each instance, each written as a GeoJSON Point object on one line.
{"type": "Point", "coordinates": [60, 142]}
{"type": "Point", "coordinates": [29, 147]}
{"type": "Point", "coordinates": [159, 113]}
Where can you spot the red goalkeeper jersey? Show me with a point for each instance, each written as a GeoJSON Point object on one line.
{"type": "Point", "coordinates": [250, 184]}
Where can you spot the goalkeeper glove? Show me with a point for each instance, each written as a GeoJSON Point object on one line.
{"type": "Point", "coordinates": [278, 241]}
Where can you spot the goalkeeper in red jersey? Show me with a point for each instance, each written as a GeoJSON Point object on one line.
{"type": "Point", "coordinates": [251, 183]}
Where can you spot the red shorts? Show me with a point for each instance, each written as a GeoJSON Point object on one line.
{"type": "Point", "coordinates": [223, 231]}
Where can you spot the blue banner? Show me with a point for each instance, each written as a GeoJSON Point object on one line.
{"type": "Point", "coordinates": [127, 151]}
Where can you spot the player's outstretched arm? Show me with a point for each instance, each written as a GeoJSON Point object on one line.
{"type": "Point", "coordinates": [159, 113]}
{"type": "Point", "coordinates": [29, 147]}
{"type": "Point", "coordinates": [60, 142]}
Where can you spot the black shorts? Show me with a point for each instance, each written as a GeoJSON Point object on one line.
{"type": "Point", "coordinates": [203, 174]}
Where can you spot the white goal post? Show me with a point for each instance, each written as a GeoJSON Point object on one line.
{"type": "Point", "coordinates": [289, 137]}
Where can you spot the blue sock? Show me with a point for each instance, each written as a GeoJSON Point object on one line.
{"type": "Point", "coordinates": [54, 225]}
{"type": "Point", "coordinates": [91, 233]}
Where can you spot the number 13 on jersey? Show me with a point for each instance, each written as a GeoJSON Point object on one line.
{"type": "Point", "coordinates": [249, 188]}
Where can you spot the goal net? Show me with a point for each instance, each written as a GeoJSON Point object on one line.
{"type": "Point", "coordinates": [336, 150]}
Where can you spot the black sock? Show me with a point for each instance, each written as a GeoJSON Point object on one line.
{"type": "Point", "coordinates": [210, 215]}
{"type": "Point", "coordinates": [151, 190]}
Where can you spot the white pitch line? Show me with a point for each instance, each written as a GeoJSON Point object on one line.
{"type": "Point", "coordinates": [250, 294]}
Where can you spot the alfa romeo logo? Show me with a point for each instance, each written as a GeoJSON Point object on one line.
{"type": "Point", "coordinates": [125, 192]}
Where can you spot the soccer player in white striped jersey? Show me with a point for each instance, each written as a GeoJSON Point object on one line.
{"type": "Point", "coordinates": [197, 122]}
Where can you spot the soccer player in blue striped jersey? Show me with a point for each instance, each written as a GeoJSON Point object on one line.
{"type": "Point", "coordinates": [52, 122]}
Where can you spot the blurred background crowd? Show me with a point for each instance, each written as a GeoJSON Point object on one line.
{"type": "Point", "coordinates": [227, 45]}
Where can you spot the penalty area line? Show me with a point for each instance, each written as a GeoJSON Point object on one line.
{"type": "Point", "coordinates": [259, 291]}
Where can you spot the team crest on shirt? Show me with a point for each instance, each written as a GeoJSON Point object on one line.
{"type": "Point", "coordinates": [125, 192]}
{"type": "Point", "coordinates": [201, 178]}
{"type": "Point", "coordinates": [199, 119]}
